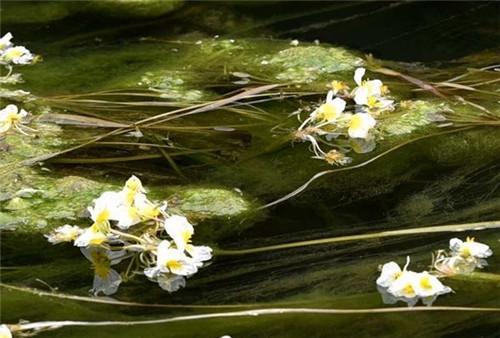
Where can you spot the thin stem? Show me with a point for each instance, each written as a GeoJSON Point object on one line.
{"type": "Point", "coordinates": [247, 313]}
{"type": "Point", "coordinates": [129, 236]}
{"type": "Point", "coordinates": [424, 230]}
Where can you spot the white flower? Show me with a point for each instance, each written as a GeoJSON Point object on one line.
{"type": "Point", "coordinates": [11, 116]}
{"type": "Point", "coordinates": [132, 187]}
{"type": "Point", "coordinates": [330, 110]}
{"type": "Point", "coordinates": [65, 233]}
{"type": "Point", "coordinates": [365, 88]}
{"type": "Point", "coordinates": [200, 253]}
{"type": "Point", "coordinates": [390, 273]}
{"type": "Point", "coordinates": [5, 42]}
{"type": "Point", "coordinates": [105, 207]}
{"type": "Point", "coordinates": [377, 104]}
{"type": "Point", "coordinates": [469, 248]}
{"type": "Point", "coordinates": [91, 236]}
{"type": "Point", "coordinates": [106, 280]}
{"type": "Point", "coordinates": [171, 261]}
{"type": "Point", "coordinates": [179, 228]}
{"type": "Point", "coordinates": [5, 331]}
{"type": "Point", "coordinates": [426, 285]}
{"type": "Point", "coordinates": [360, 124]}
{"type": "Point", "coordinates": [18, 55]}
{"type": "Point", "coordinates": [132, 205]}
{"type": "Point", "coordinates": [171, 283]}
{"type": "Point", "coordinates": [404, 285]}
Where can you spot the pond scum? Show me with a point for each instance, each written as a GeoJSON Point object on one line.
{"type": "Point", "coordinates": [128, 226]}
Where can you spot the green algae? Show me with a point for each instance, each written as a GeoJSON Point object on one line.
{"type": "Point", "coordinates": [307, 64]}
{"type": "Point", "coordinates": [28, 12]}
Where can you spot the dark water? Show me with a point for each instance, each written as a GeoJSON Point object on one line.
{"type": "Point", "coordinates": [88, 51]}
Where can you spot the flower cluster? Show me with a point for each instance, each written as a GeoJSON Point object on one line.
{"type": "Point", "coordinates": [128, 226]}
{"type": "Point", "coordinates": [353, 128]}
{"type": "Point", "coordinates": [5, 331]}
{"type": "Point", "coordinates": [462, 258]}
{"type": "Point", "coordinates": [10, 117]}
{"type": "Point", "coordinates": [11, 55]}
{"type": "Point", "coordinates": [402, 285]}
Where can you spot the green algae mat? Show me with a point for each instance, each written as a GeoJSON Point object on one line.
{"type": "Point", "coordinates": [248, 169]}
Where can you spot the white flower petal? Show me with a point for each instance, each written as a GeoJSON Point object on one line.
{"type": "Point", "coordinates": [179, 228]}
{"type": "Point", "coordinates": [358, 75]}
{"type": "Point", "coordinates": [4, 330]}
{"type": "Point", "coordinates": [108, 285]}
{"type": "Point", "coordinates": [390, 273]}
{"type": "Point", "coordinates": [171, 283]}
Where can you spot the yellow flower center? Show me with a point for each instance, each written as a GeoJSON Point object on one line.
{"type": "Point", "coordinates": [356, 122]}
{"type": "Point", "coordinates": [327, 112]}
{"type": "Point", "coordinates": [372, 102]}
{"type": "Point", "coordinates": [103, 216]}
{"type": "Point", "coordinates": [397, 274]}
{"type": "Point", "coordinates": [425, 283]}
{"type": "Point", "coordinates": [101, 264]}
{"type": "Point", "coordinates": [186, 236]}
{"type": "Point", "coordinates": [174, 265]}
{"type": "Point", "coordinates": [408, 289]}
{"type": "Point", "coordinates": [465, 252]}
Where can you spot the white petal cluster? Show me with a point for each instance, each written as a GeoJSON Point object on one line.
{"type": "Point", "coordinates": [5, 332]}
{"type": "Point", "coordinates": [10, 54]}
{"type": "Point", "coordinates": [159, 246]}
{"type": "Point", "coordinates": [463, 257]}
{"type": "Point", "coordinates": [106, 280]}
{"type": "Point", "coordinates": [368, 94]}
{"type": "Point", "coordinates": [10, 117]}
{"type": "Point", "coordinates": [396, 284]}
{"type": "Point", "coordinates": [65, 233]}
{"type": "Point", "coordinates": [334, 119]}
{"type": "Point", "coordinates": [178, 258]}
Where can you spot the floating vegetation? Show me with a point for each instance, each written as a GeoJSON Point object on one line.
{"type": "Point", "coordinates": [128, 226]}
{"type": "Point", "coordinates": [463, 257]}
{"type": "Point", "coordinates": [396, 285]}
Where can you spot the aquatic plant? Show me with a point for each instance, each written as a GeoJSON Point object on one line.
{"type": "Point", "coordinates": [462, 258]}
{"type": "Point", "coordinates": [10, 117]}
{"type": "Point", "coordinates": [11, 56]}
{"type": "Point", "coordinates": [396, 285]}
{"type": "Point", "coordinates": [351, 130]}
{"type": "Point", "coordinates": [127, 225]}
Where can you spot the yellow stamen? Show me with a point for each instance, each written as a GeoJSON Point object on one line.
{"type": "Point", "coordinates": [409, 289]}
{"type": "Point", "coordinates": [425, 282]}
{"type": "Point", "coordinates": [173, 265]}
{"type": "Point", "coordinates": [101, 264]}
{"type": "Point", "coordinates": [356, 122]}
{"type": "Point", "coordinates": [102, 217]}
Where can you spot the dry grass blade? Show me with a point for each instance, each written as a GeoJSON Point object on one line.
{"type": "Point", "coordinates": [48, 325]}
{"type": "Point", "coordinates": [79, 120]}
{"type": "Point", "coordinates": [197, 109]}
{"type": "Point", "coordinates": [382, 234]}
{"type": "Point", "coordinates": [411, 79]}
